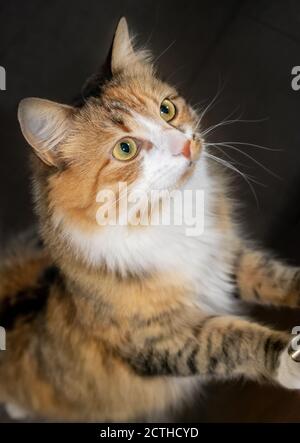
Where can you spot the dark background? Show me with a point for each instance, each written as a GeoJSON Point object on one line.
{"type": "Point", "coordinates": [244, 49]}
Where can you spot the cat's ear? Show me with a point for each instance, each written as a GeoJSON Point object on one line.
{"type": "Point", "coordinates": [45, 124]}
{"type": "Point", "coordinates": [122, 50]}
{"type": "Point", "coordinates": [123, 55]}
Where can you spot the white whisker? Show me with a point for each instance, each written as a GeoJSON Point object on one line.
{"type": "Point", "coordinates": [252, 145]}
{"type": "Point", "coordinates": [209, 106]}
{"type": "Point", "coordinates": [164, 51]}
{"type": "Point", "coordinates": [227, 145]}
{"type": "Point", "coordinates": [228, 122]}
{"type": "Point", "coordinates": [233, 168]}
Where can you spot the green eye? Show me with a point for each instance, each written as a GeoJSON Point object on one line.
{"type": "Point", "coordinates": [125, 149]}
{"type": "Point", "coordinates": [167, 110]}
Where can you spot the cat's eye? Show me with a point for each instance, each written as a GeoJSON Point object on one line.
{"type": "Point", "coordinates": [125, 149]}
{"type": "Point", "coordinates": [167, 110]}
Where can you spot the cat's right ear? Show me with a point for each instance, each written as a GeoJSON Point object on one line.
{"type": "Point", "coordinates": [45, 125]}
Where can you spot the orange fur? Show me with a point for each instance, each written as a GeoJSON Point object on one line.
{"type": "Point", "coordinates": [87, 341]}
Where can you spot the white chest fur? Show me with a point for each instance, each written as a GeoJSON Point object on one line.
{"type": "Point", "coordinates": [204, 261]}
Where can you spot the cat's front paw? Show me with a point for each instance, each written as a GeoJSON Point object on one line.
{"type": "Point", "coordinates": [16, 412]}
{"type": "Point", "coordinates": [288, 374]}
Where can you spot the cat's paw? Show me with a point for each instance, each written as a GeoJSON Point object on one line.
{"type": "Point", "coordinates": [288, 374]}
{"type": "Point", "coordinates": [16, 412]}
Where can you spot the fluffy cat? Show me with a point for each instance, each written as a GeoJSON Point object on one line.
{"type": "Point", "coordinates": [121, 322]}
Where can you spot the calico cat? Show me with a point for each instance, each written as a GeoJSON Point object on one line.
{"type": "Point", "coordinates": [119, 322]}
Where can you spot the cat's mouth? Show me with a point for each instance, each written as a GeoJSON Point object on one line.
{"type": "Point", "coordinates": [196, 148]}
{"type": "Point", "coordinates": [186, 169]}
{"type": "Point", "coordinates": [187, 174]}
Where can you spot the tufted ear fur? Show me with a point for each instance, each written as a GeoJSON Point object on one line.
{"type": "Point", "coordinates": [123, 54]}
{"type": "Point", "coordinates": [45, 125]}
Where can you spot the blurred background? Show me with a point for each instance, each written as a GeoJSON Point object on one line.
{"type": "Point", "coordinates": [240, 50]}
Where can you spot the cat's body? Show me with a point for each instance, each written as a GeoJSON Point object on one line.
{"type": "Point", "coordinates": [104, 310]}
{"type": "Point", "coordinates": [122, 322]}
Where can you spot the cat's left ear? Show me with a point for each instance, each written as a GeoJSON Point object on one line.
{"type": "Point", "coordinates": [45, 125]}
{"type": "Point", "coordinates": [123, 54]}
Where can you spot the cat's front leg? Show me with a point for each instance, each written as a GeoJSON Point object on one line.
{"type": "Point", "coordinates": [217, 348]}
{"type": "Point", "coordinates": [262, 279]}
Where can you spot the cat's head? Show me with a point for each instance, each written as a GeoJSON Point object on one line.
{"type": "Point", "coordinates": [138, 131]}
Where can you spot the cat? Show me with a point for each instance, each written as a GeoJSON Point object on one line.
{"type": "Point", "coordinates": [118, 322]}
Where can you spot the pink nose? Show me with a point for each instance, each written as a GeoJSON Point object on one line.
{"type": "Point", "coordinates": [186, 150]}
{"type": "Point", "coordinates": [179, 144]}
